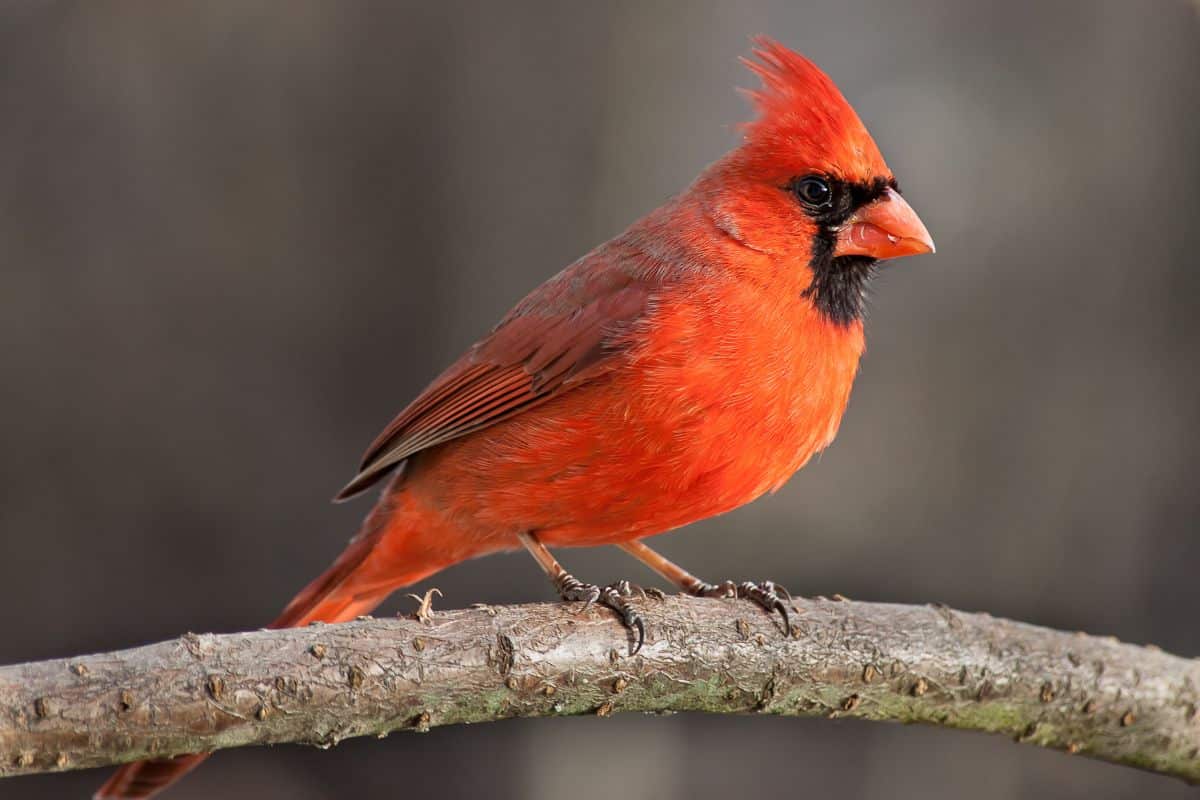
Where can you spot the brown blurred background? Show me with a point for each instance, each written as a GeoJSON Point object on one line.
{"type": "Point", "coordinates": [235, 238]}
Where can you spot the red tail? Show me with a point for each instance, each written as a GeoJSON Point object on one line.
{"type": "Point", "coordinates": [353, 585]}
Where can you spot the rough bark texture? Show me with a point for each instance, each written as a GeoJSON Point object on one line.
{"type": "Point", "coordinates": [1082, 694]}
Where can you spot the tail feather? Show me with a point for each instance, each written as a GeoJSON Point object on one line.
{"type": "Point", "coordinates": [337, 595]}
{"type": "Point", "coordinates": [330, 597]}
{"type": "Point", "coordinates": [146, 778]}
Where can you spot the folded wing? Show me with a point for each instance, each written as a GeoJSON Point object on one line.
{"type": "Point", "coordinates": [567, 333]}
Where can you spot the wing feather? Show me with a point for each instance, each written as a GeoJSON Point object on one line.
{"type": "Point", "coordinates": [564, 334]}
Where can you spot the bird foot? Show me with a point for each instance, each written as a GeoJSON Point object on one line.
{"type": "Point", "coordinates": [766, 594]}
{"type": "Point", "coordinates": [615, 596]}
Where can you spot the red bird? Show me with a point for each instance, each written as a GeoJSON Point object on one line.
{"type": "Point", "coordinates": [676, 372]}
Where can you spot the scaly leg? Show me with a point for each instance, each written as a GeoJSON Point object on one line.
{"type": "Point", "coordinates": [765, 594]}
{"type": "Point", "coordinates": [570, 588]}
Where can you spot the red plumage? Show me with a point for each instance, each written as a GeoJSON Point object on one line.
{"type": "Point", "coordinates": [678, 371]}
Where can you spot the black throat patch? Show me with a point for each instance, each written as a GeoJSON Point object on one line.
{"type": "Point", "coordinates": [839, 283]}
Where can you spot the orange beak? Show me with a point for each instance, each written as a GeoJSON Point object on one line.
{"type": "Point", "coordinates": [884, 228]}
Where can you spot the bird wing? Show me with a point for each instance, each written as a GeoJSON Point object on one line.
{"type": "Point", "coordinates": [565, 333]}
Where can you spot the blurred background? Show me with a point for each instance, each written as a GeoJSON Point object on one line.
{"type": "Point", "coordinates": [236, 238]}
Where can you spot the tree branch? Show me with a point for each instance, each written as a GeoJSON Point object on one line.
{"type": "Point", "coordinates": [1082, 694]}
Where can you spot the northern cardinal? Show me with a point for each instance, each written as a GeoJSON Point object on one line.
{"type": "Point", "coordinates": [677, 371]}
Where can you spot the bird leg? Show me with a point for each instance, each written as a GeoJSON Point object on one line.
{"type": "Point", "coordinates": [615, 595]}
{"type": "Point", "coordinates": [766, 594]}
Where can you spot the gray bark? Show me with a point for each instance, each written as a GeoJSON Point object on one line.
{"type": "Point", "coordinates": [1081, 694]}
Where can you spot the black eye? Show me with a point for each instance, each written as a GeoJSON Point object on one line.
{"type": "Point", "coordinates": [813, 191]}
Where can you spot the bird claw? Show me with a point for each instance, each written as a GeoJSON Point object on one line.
{"type": "Point", "coordinates": [574, 590]}
{"type": "Point", "coordinates": [725, 590]}
{"type": "Point", "coordinates": [625, 588]}
{"type": "Point", "coordinates": [615, 596]}
{"type": "Point", "coordinates": [765, 594]}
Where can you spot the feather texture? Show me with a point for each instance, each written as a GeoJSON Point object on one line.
{"type": "Point", "coordinates": [680, 370]}
{"type": "Point", "coordinates": [559, 337]}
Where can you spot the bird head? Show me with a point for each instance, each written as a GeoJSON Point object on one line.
{"type": "Point", "coordinates": [809, 183]}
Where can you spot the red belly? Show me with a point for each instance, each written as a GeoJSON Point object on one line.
{"type": "Point", "coordinates": [639, 452]}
